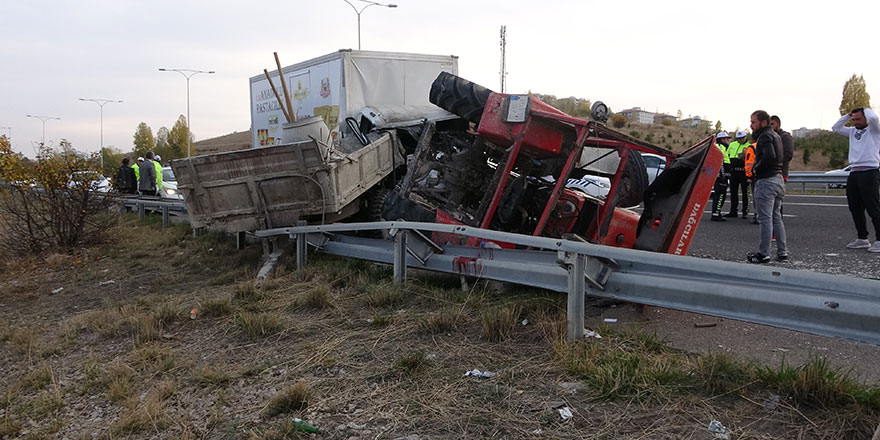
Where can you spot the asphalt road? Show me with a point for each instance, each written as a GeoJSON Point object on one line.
{"type": "Point", "coordinates": [818, 229]}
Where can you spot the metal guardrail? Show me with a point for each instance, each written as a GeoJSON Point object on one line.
{"type": "Point", "coordinates": [829, 305]}
{"type": "Point", "coordinates": [805, 177]}
{"type": "Point", "coordinates": [141, 204]}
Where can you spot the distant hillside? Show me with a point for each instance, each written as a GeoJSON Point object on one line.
{"type": "Point", "coordinates": [237, 140]}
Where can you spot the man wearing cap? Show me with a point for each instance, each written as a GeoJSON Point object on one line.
{"type": "Point", "coordinates": [738, 181]}
{"type": "Point", "coordinates": [136, 168]}
{"type": "Point", "coordinates": [722, 139]}
{"type": "Point", "coordinates": [158, 165]}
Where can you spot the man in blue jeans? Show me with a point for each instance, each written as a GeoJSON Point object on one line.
{"type": "Point", "coordinates": [863, 183]}
{"type": "Point", "coordinates": [769, 189]}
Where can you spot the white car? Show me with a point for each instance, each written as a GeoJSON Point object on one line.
{"type": "Point", "coordinates": [169, 185]}
{"type": "Point", "coordinates": [654, 165]}
{"type": "Point", "coordinates": [97, 182]}
{"type": "Point", "coordinates": [596, 186]}
{"type": "Point", "coordinates": [844, 172]}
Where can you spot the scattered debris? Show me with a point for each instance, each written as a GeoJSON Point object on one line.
{"type": "Point", "coordinates": [194, 313]}
{"type": "Point", "coordinates": [538, 431]}
{"type": "Point", "coordinates": [106, 283]}
{"type": "Point", "coordinates": [210, 249]}
{"type": "Point", "coordinates": [771, 402]}
{"type": "Point", "coordinates": [525, 322]}
{"type": "Point", "coordinates": [431, 356]}
{"type": "Point", "coordinates": [572, 387]}
{"type": "Point", "coordinates": [720, 431]}
{"type": "Point", "coordinates": [565, 413]}
{"type": "Point", "coordinates": [591, 334]}
{"type": "Point", "coordinates": [705, 324]}
{"type": "Point", "coordinates": [58, 290]}
{"type": "Point", "coordinates": [610, 320]}
{"type": "Point", "coordinates": [783, 350]}
{"type": "Point", "coordinates": [301, 425]}
{"type": "Point", "coordinates": [481, 374]}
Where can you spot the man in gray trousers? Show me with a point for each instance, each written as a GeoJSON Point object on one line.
{"type": "Point", "coordinates": [769, 188]}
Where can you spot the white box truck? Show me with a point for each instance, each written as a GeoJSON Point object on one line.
{"type": "Point", "coordinates": [340, 85]}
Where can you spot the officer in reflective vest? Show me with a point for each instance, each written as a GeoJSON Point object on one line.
{"type": "Point", "coordinates": [738, 182]}
{"type": "Point", "coordinates": [720, 190]}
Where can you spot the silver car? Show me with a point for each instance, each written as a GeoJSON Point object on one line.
{"type": "Point", "coordinates": [169, 185]}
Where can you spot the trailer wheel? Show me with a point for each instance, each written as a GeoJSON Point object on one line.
{"type": "Point", "coordinates": [460, 96]}
{"type": "Point", "coordinates": [634, 180]}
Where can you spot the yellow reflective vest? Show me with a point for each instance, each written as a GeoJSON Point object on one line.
{"type": "Point", "coordinates": [158, 175]}
{"type": "Point", "coordinates": [723, 151]}
{"type": "Point", "coordinates": [137, 172]}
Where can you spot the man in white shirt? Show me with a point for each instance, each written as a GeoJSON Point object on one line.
{"type": "Point", "coordinates": [863, 183]}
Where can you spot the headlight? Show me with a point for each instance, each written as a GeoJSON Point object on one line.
{"type": "Point", "coordinates": [170, 192]}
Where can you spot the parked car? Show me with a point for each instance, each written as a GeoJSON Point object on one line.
{"type": "Point", "coordinates": [654, 165]}
{"type": "Point", "coordinates": [169, 184]}
{"type": "Point", "coordinates": [97, 182]}
{"type": "Point", "coordinates": [843, 172]}
{"type": "Point", "coordinates": [596, 186]}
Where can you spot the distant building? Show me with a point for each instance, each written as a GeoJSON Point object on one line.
{"type": "Point", "coordinates": [660, 117]}
{"type": "Point", "coordinates": [691, 122]}
{"type": "Point", "coordinates": [636, 114]}
{"type": "Point", "coordinates": [804, 132]}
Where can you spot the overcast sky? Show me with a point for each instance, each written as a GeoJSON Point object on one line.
{"type": "Point", "coordinates": [719, 59]}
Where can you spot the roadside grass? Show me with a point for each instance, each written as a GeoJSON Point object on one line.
{"type": "Point", "coordinates": [139, 354]}
{"type": "Point", "coordinates": [291, 398]}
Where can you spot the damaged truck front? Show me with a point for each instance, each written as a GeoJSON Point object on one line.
{"type": "Point", "coordinates": [516, 170]}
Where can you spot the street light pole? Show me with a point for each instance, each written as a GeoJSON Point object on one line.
{"type": "Point", "coordinates": [369, 3]}
{"type": "Point", "coordinates": [187, 73]}
{"type": "Point", "coordinates": [101, 103]}
{"type": "Point", "coordinates": [44, 119]}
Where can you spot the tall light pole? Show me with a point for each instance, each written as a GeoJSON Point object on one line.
{"type": "Point", "coordinates": [369, 3]}
{"type": "Point", "coordinates": [187, 73]}
{"type": "Point", "coordinates": [44, 119]}
{"type": "Point", "coordinates": [101, 103]}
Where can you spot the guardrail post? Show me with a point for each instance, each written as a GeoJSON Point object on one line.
{"type": "Point", "coordinates": [141, 211]}
{"type": "Point", "coordinates": [302, 247]}
{"type": "Point", "coordinates": [165, 216]}
{"type": "Point", "coordinates": [576, 264]}
{"type": "Point", "coordinates": [400, 257]}
{"type": "Point", "coordinates": [240, 240]}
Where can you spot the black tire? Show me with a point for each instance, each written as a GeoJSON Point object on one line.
{"type": "Point", "coordinates": [634, 182]}
{"type": "Point", "coordinates": [460, 96]}
{"type": "Point", "coordinates": [375, 204]}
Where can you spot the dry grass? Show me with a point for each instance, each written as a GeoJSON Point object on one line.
{"type": "Point", "coordinates": [384, 294]}
{"type": "Point", "coordinates": [216, 307]}
{"type": "Point", "coordinates": [374, 380]}
{"type": "Point", "coordinates": [213, 375]}
{"type": "Point", "coordinates": [292, 398]}
{"type": "Point", "coordinates": [145, 328]}
{"type": "Point", "coordinates": [498, 323]}
{"type": "Point", "coordinates": [317, 297]}
{"type": "Point", "coordinates": [259, 325]}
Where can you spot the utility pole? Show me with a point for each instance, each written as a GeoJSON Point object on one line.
{"type": "Point", "coordinates": [44, 119]}
{"type": "Point", "coordinates": [188, 73]}
{"type": "Point", "coordinates": [101, 103]}
{"type": "Point", "coordinates": [503, 58]}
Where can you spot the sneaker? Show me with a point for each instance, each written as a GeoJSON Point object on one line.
{"type": "Point", "coordinates": [859, 243]}
{"type": "Point", "coordinates": [875, 247]}
{"type": "Point", "coordinates": [757, 258]}
{"type": "Point", "coordinates": [731, 215]}
{"type": "Point", "coordinates": [718, 218]}
{"type": "Point", "coordinates": [782, 258]}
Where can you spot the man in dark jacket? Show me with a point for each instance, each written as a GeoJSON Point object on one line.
{"type": "Point", "coordinates": [769, 188]}
{"type": "Point", "coordinates": [126, 182]}
{"type": "Point", "coordinates": [787, 144]}
{"type": "Point", "coordinates": [147, 180]}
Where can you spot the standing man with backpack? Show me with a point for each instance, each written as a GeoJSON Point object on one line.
{"type": "Point", "coordinates": [126, 182]}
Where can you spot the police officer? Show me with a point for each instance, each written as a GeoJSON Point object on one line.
{"type": "Point", "coordinates": [738, 182]}
{"type": "Point", "coordinates": [722, 141]}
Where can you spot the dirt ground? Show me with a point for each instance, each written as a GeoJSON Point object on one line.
{"type": "Point", "coordinates": [159, 334]}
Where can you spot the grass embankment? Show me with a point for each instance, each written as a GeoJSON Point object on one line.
{"type": "Point", "coordinates": [341, 347]}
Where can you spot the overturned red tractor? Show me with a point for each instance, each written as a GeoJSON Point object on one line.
{"type": "Point", "coordinates": [510, 162]}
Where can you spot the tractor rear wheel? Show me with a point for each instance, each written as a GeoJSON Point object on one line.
{"type": "Point", "coordinates": [460, 96]}
{"type": "Point", "coordinates": [634, 181]}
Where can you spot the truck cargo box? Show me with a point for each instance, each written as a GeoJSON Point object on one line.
{"type": "Point", "coordinates": [273, 187]}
